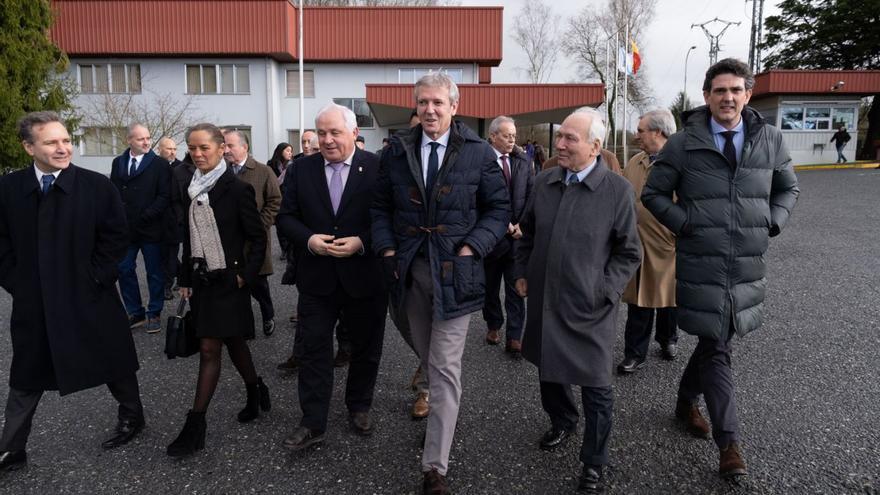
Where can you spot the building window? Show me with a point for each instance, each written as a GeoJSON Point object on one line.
{"type": "Point", "coordinates": [103, 141]}
{"type": "Point", "coordinates": [844, 116]}
{"type": "Point", "coordinates": [410, 76]}
{"type": "Point", "coordinates": [308, 83]}
{"type": "Point", "coordinates": [109, 78]}
{"type": "Point", "coordinates": [792, 118]}
{"type": "Point", "coordinates": [209, 79]}
{"type": "Point", "coordinates": [360, 108]}
{"type": "Point", "coordinates": [817, 118]}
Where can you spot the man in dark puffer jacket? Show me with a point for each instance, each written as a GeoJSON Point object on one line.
{"type": "Point", "coordinates": [736, 187]}
{"type": "Point", "coordinates": [440, 206]}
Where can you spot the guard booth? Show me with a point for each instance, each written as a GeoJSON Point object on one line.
{"type": "Point", "coordinates": [810, 105]}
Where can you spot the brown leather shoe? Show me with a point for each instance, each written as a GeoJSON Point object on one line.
{"type": "Point", "coordinates": [420, 408]}
{"type": "Point", "coordinates": [434, 483]}
{"type": "Point", "coordinates": [731, 463]}
{"type": "Point", "coordinates": [361, 423]}
{"type": "Point", "coordinates": [493, 337]}
{"type": "Point", "coordinates": [689, 414]}
{"type": "Point", "coordinates": [513, 347]}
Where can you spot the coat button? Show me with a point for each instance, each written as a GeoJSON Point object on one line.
{"type": "Point", "coordinates": [335, 227]}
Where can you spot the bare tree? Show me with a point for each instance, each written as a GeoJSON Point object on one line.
{"type": "Point", "coordinates": [585, 42]}
{"type": "Point", "coordinates": [535, 30]}
{"type": "Point", "coordinates": [163, 114]}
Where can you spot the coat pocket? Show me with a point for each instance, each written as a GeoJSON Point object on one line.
{"type": "Point", "coordinates": [468, 278]}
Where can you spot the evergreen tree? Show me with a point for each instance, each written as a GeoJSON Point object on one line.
{"type": "Point", "coordinates": [830, 35]}
{"type": "Point", "coordinates": [681, 104]}
{"type": "Point", "coordinates": [31, 69]}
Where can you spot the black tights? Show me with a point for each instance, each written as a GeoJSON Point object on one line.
{"type": "Point", "coordinates": [209, 367]}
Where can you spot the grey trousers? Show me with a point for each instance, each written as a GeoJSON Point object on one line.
{"type": "Point", "coordinates": [402, 323]}
{"type": "Point", "coordinates": [439, 345]}
{"type": "Point", "coordinates": [22, 404]}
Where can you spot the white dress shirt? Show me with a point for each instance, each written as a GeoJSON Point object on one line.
{"type": "Point", "coordinates": [328, 170]}
{"type": "Point", "coordinates": [40, 175]}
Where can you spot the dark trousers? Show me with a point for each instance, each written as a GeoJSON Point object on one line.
{"type": "Point", "coordinates": [496, 270]}
{"type": "Point", "coordinates": [260, 292]}
{"type": "Point", "coordinates": [171, 263]}
{"type": "Point", "coordinates": [708, 373]}
{"type": "Point", "coordinates": [364, 318]}
{"type": "Point", "coordinates": [128, 282]}
{"type": "Point", "coordinates": [598, 402]}
{"type": "Point", "coordinates": [637, 334]}
{"type": "Point", "coordinates": [22, 404]}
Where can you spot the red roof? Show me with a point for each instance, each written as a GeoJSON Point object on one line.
{"type": "Point", "coordinates": [816, 82]}
{"type": "Point", "coordinates": [269, 27]}
{"type": "Point", "coordinates": [534, 102]}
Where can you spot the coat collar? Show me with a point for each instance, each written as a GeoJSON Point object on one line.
{"type": "Point", "coordinates": [355, 178]}
{"type": "Point", "coordinates": [222, 185]}
{"type": "Point", "coordinates": [698, 133]}
{"type": "Point", "coordinates": [64, 183]}
{"type": "Point", "coordinates": [591, 182]}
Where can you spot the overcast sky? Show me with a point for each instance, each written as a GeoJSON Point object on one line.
{"type": "Point", "coordinates": [662, 48]}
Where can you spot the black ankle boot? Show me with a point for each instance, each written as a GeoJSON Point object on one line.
{"type": "Point", "coordinates": [257, 398]}
{"type": "Point", "coordinates": [191, 438]}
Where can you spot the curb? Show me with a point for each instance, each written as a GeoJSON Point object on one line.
{"type": "Point", "coordinates": [831, 166]}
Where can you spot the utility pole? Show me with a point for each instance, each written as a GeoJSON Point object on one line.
{"type": "Point", "coordinates": [714, 45]}
{"type": "Point", "coordinates": [757, 35]}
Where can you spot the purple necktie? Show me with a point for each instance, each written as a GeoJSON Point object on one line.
{"type": "Point", "coordinates": [336, 185]}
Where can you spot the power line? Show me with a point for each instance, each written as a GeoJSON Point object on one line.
{"type": "Point", "coordinates": [714, 39]}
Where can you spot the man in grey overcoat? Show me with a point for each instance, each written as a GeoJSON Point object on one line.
{"type": "Point", "coordinates": [579, 249]}
{"type": "Point", "coordinates": [62, 235]}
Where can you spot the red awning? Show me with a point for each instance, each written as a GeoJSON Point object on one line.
{"type": "Point", "coordinates": [528, 103]}
{"type": "Point", "coordinates": [816, 82]}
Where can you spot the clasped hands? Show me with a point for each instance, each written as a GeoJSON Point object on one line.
{"type": "Point", "coordinates": [328, 245]}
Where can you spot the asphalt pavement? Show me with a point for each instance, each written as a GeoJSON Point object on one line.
{"type": "Point", "coordinates": [807, 389]}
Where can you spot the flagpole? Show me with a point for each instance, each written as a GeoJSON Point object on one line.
{"type": "Point", "coordinates": [625, 93]}
{"type": "Point", "coordinates": [616, 72]}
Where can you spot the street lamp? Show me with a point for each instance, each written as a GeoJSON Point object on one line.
{"type": "Point", "coordinates": [684, 91]}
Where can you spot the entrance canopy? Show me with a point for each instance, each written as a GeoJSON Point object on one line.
{"type": "Point", "coordinates": [392, 104]}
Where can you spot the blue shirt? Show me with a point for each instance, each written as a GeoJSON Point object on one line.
{"type": "Point", "coordinates": [738, 139]}
{"type": "Point", "coordinates": [583, 173]}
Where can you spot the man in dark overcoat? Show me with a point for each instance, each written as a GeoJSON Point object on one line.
{"type": "Point", "coordinates": [579, 249]}
{"type": "Point", "coordinates": [518, 177]}
{"type": "Point", "coordinates": [143, 180]}
{"type": "Point", "coordinates": [62, 235]}
{"type": "Point", "coordinates": [166, 149]}
{"type": "Point", "coordinates": [735, 187]}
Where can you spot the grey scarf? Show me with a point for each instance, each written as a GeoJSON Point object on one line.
{"type": "Point", "coordinates": [203, 234]}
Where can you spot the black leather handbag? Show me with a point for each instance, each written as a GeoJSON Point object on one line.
{"type": "Point", "coordinates": [180, 334]}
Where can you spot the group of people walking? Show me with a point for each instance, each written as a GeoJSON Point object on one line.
{"type": "Point", "coordinates": [431, 229]}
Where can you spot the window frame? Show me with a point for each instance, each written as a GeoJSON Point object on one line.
{"type": "Point", "coordinates": [833, 109]}
{"type": "Point", "coordinates": [117, 143]}
{"type": "Point", "coordinates": [218, 83]}
{"type": "Point", "coordinates": [129, 86]}
{"type": "Point", "coordinates": [351, 107]}
{"type": "Point", "coordinates": [287, 93]}
{"type": "Point", "coordinates": [418, 72]}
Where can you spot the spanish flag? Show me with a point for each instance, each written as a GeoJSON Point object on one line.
{"type": "Point", "coordinates": [636, 58]}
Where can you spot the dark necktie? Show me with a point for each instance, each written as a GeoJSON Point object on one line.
{"type": "Point", "coordinates": [572, 179]}
{"type": "Point", "coordinates": [506, 169]}
{"type": "Point", "coordinates": [729, 148]}
{"type": "Point", "coordinates": [47, 182]}
{"type": "Point", "coordinates": [133, 167]}
{"type": "Point", "coordinates": [433, 166]}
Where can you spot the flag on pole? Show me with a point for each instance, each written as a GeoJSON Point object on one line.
{"type": "Point", "coordinates": [636, 58]}
{"type": "Point", "coordinates": [623, 63]}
